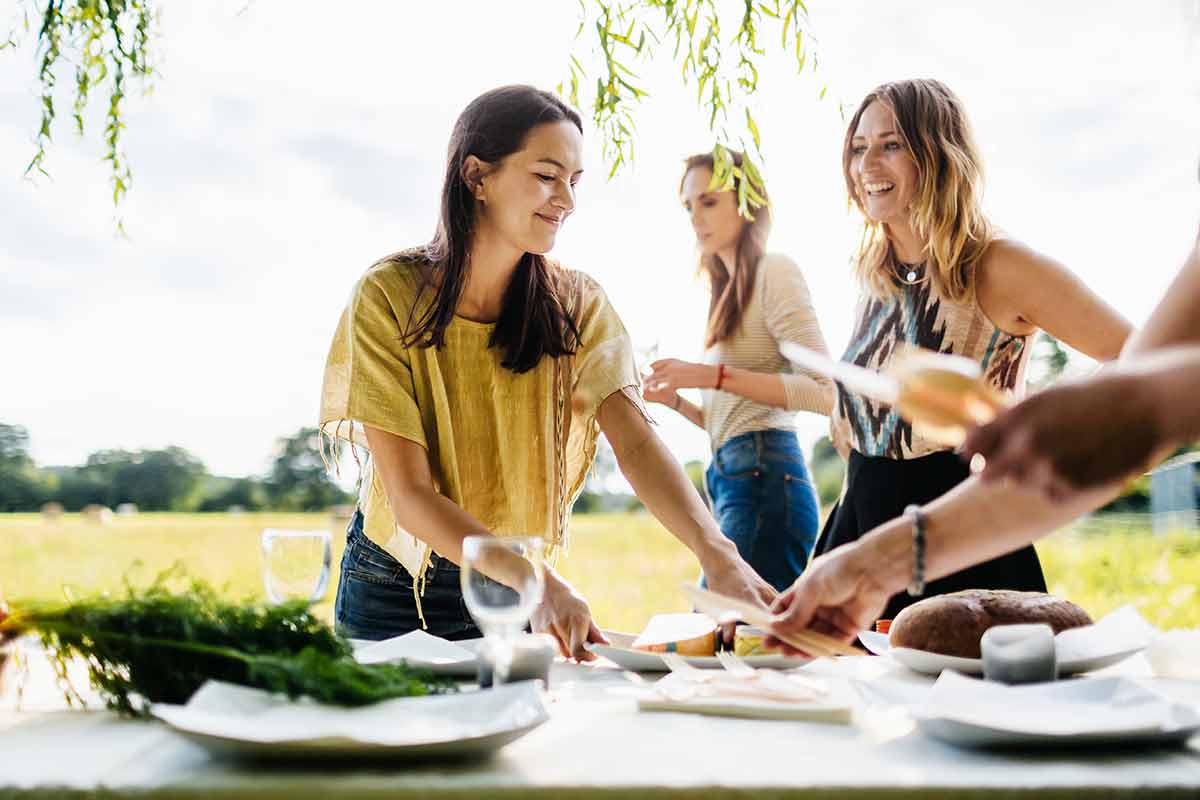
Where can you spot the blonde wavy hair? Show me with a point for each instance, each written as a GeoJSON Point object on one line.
{"type": "Point", "coordinates": [946, 212]}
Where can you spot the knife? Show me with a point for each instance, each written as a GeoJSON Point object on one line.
{"type": "Point", "coordinates": [860, 380]}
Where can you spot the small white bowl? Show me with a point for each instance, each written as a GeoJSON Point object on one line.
{"type": "Point", "coordinates": [1175, 654]}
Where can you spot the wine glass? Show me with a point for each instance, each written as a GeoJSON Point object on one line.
{"type": "Point", "coordinates": [296, 564]}
{"type": "Point", "coordinates": [645, 355]}
{"type": "Point", "coordinates": [502, 582]}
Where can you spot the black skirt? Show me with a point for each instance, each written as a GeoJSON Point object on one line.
{"type": "Point", "coordinates": [878, 490]}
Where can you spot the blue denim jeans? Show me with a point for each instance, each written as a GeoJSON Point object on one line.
{"type": "Point", "coordinates": [764, 501]}
{"type": "Point", "coordinates": [375, 594]}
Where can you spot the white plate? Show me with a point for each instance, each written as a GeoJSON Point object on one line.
{"type": "Point", "coordinates": [933, 663]}
{"type": "Point", "coordinates": [969, 734]}
{"type": "Point", "coordinates": [621, 654]}
{"type": "Point", "coordinates": [1098, 711]}
{"type": "Point", "coordinates": [423, 651]}
{"type": "Point", "coordinates": [249, 723]}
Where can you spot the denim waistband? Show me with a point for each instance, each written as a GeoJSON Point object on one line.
{"type": "Point", "coordinates": [770, 436]}
{"type": "Point", "coordinates": [749, 452]}
{"type": "Point", "coordinates": [357, 537]}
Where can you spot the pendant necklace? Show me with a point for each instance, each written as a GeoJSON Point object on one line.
{"type": "Point", "coordinates": [911, 273]}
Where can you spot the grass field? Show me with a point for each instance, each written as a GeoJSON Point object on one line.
{"type": "Point", "coordinates": [625, 564]}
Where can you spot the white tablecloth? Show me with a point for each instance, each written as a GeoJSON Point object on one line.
{"type": "Point", "coordinates": [598, 745]}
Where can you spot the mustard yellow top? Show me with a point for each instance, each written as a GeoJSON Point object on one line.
{"type": "Point", "coordinates": [512, 450]}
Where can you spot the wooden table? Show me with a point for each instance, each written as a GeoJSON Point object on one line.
{"type": "Point", "coordinates": [597, 745]}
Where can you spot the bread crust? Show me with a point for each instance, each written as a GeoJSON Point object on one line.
{"type": "Point", "coordinates": [953, 624]}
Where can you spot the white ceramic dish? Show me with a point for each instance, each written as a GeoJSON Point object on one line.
{"type": "Point", "coordinates": [421, 650]}
{"type": "Point", "coordinates": [933, 663]}
{"type": "Point", "coordinates": [249, 723]}
{"type": "Point", "coordinates": [621, 654]}
{"type": "Point", "coordinates": [1112, 712]}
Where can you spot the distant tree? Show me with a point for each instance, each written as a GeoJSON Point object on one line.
{"type": "Point", "coordinates": [695, 472]}
{"type": "Point", "coordinates": [78, 488]}
{"type": "Point", "coordinates": [604, 466]}
{"type": "Point", "coordinates": [298, 480]}
{"type": "Point", "coordinates": [248, 493]}
{"type": "Point", "coordinates": [154, 480]}
{"type": "Point", "coordinates": [1049, 360]}
{"type": "Point", "coordinates": [14, 446]}
{"type": "Point", "coordinates": [828, 470]}
{"type": "Point", "coordinates": [20, 487]}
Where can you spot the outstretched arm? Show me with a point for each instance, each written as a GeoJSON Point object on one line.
{"type": "Point", "coordinates": [662, 485]}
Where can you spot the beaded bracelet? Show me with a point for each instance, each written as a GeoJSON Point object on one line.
{"type": "Point", "coordinates": [916, 587]}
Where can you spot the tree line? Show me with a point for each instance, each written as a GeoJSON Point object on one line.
{"type": "Point", "coordinates": [169, 479]}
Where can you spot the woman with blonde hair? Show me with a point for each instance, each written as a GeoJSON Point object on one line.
{"type": "Point", "coordinates": [936, 275]}
{"type": "Point", "coordinates": [760, 488]}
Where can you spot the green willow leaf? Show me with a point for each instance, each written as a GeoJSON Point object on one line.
{"type": "Point", "coordinates": [753, 129]}
{"type": "Point", "coordinates": [107, 41]}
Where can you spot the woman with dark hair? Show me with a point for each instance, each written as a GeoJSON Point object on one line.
{"type": "Point", "coordinates": [759, 486]}
{"type": "Point", "coordinates": [936, 275]}
{"type": "Point", "coordinates": [478, 375]}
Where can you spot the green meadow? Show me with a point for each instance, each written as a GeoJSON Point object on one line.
{"type": "Point", "coordinates": [627, 565]}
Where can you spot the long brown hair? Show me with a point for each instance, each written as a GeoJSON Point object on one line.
{"type": "Point", "coordinates": [946, 211]}
{"type": "Point", "coordinates": [533, 320]}
{"type": "Point", "coordinates": [728, 298]}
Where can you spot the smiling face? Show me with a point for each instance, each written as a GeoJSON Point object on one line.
{"type": "Point", "coordinates": [525, 199]}
{"type": "Point", "coordinates": [881, 169]}
{"type": "Point", "coordinates": [714, 214]}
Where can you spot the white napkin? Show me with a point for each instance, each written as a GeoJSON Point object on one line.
{"type": "Point", "coordinates": [417, 647]}
{"type": "Point", "coordinates": [1121, 631]}
{"type": "Point", "coordinates": [741, 691]}
{"type": "Point", "coordinates": [1061, 708]}
{"type": "Point", "coordinates": [238, 712]}
{"type": "Point", "coordinates": [1175, 654]}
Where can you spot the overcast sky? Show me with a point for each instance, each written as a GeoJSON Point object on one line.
{"type": "Point", "coordinates": [282, 152]}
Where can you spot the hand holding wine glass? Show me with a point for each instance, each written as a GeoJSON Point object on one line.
{"type": "Point", "coordinates": [502, 583]}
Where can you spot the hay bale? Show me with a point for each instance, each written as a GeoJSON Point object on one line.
{"type": "Point", "coordinates": [127, 509]}
{"type": "Point", "coordinates": [97, 514]}
{"type": "Point", "coordinates": [52, 511]}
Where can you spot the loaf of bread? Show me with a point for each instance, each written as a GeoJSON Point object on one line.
{"type": "Point", "coordinates": [686, 634]}
{"type": "Point", "coordinates": [952, 624]}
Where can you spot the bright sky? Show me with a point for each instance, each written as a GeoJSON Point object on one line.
{"type": "Point", "coordinates": [282, 152]}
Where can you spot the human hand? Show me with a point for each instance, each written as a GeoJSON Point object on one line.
{"type": "Point", "coordinates": [837, 595]}
{"type": "Point", "coordinates": [565, 615]}
{"type": "Point", "coordinates": [668, 397]}
{"type": "Point", "coordinates": [727, 573]}
{"type": "Point", "coordinates": [671, 374]}
{"type": "Point", "coordinates": [1073, 436]}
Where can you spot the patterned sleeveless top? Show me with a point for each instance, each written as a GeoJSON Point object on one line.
{"type": "Point", "coordinates": [916, 316]}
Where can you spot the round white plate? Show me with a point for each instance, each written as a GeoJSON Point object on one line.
{"type": "Point", "coordinates": [970, 734]}
{"type": "Point", "coordinates": [238, 721]}
{"type": "Point", "coordinates": [335, 749]}
{"type": "Point", "coordinates": [933, 663]}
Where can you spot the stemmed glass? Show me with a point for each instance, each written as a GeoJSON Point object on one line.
{"type": "Point", "coordinates": [296, 564]}
{"type": "Point", "coordinates": [502, 582]}
{"type": "Point", "coordinates": [646, 355]}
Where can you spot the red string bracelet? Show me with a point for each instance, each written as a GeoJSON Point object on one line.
{"type": "Point", "coordinates": [720, 376]}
